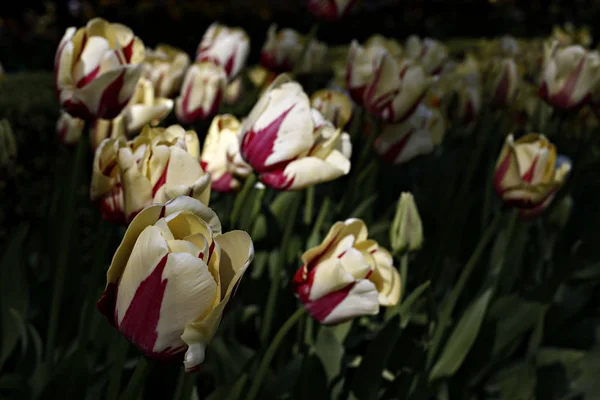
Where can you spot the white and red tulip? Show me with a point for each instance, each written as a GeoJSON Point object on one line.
{"type": "Point", "coordinates": [289, 144]}
{"type": "Point", "coordinates": [165, 67]}
{"type": "Point", "coordinates": [503, 81]}
{"type": "Point", "coordinates": [429, 52]}
{"type": "Point", "coordinates": [69, 129]}
{"type": "Point", "coordinates": [224, 46]}
{"type": "Point", "coordinates": [97, 68]}
{"type": "Point", "coordinates": [335, 106]}
{"type": "Point", "coordinates": [202, 92]}
{"type": "Point", "coordinates": [171, 279]}
{"type": "Point", "coordinates": [360, 67]}
{"type": "Point", "coordinates": [348, 275]}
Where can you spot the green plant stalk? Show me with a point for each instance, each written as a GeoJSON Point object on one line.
{"type": "Point", "coordinates": [241, 198]}
{"type": "Point", "coordinates": [309, 205]}
{"type": "Point", "coordinates": [136, 384]}
{"type": "Point", "coordinates": [62, 261]}
{"type": "Point", "coordinates": [403, 274]}
{"type": "Point", "coordinates": [312, 34]}
{"type": "Point", "coordinates": [270, 353]}
{"type": "Point", "coordinates": [448, 307]}
{"type": "Point", "coordinates": [276, 279]}
{"type": "Point", "coordinates": [119, 354]}
{"type": "Point", "coordinates": [185, 386]}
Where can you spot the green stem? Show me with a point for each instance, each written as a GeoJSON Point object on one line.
{"type": "Point", "coordinates": [240, 199]}
{"type": "Point", "coordinates": [403, 274]}
{"type": "Point", "coordinates": [119, 354]}
{"type": "Point", "coordinates": [448, 307]}
{"type": "Point", "coordinates": [185, 386]}
{"type": "Point", "coordinates": [136, 384]}
{"type": "Point", "coordinates": [276, 278]}
{"type": "Point", "coordinates": [270, 353]}
{"type": "Point", "coordinates": [64, 252]}
{"type": "Point", "coordinates": [308, 206]}
{"type": "Point", "coordinates": [314, 237]}
{"type": "Point", "coordinates": [312, 34]}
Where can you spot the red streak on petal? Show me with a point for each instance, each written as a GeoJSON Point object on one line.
{"type": "Point", "coordinates": [204, 165]}
{"type": "Point", "coordinates": [188, 116]}
{"type": "Point", "coordinates": [161, 181]}
{"type": "Point", "coordinates": [89, 77]}
{"type": "Point", "coordinates": [106, 303]}
{"type": "Point", "coordinates": [277, 180]}
{"type": "Point", "coordinates": [528, 176]}
{"type": "Point", "coordinates": [110, 106]}
{"type": "Point", "coordinates": [230, 62]}
{"type": "Point", "coordinates": [564, 98]}
{"type": "Point", "coordinates": [501, 94]}
{"type": "Point", "coordinates": [128, 50]}
{"type": "Point", "coordinates": [110, 206]}
{"type": "Point", "coordinates": [396, 149]}
{"type": "Point", "coordinates": [223, 184]}
{"type": "Point", "coordinates": [211, 248]}
{"type": "Point", "coordinates": [321, 308]}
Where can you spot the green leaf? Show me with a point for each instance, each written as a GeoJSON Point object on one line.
{"type": "Point", "coordinates": [405, 308]}
{"type": "Point", "coordinates": [364, 206]}
{"type": "Point", "coordinates": [259, 263]}
{"type": "Point", "coordinates": [330, 351]}
{"type": "Point", "coordinates": [553, 355]}
{"type": "Point", "coordinates": [462, 338]}
{"type": "Point", "coordinates": [517, 382]}
{"type": "Point", "coordinates": [367, 378]}
{"type": "Point", "coordinates": [312, 382]}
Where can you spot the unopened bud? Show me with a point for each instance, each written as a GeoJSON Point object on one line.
{"type": "Point", "coordinates": [406, 233]}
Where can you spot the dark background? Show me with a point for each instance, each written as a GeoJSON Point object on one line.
{"type": "Point", "coordinates": [30, 30]}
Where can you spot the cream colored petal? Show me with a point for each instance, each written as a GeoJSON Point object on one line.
{"type": "Point", "coordinates": [137, 189]}
{"type": "Point", "coordinates": [309, 171]}
{"type": "Point", "coordinates": [362, 299]}
{"type": "Point", "coordinates": [329, 276]}
{"type": "Point", "coordinates": [185, 203]}
{"type": "Point", "coordinates": [386, 278]}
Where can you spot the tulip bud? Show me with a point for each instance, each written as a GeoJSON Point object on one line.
{"type": "Point", "coordinates": [396, 89]}
{"type": "Point", "coordinates": [202, 91]}
{"type": "Point", "coordinates": [165, 67]}
{"type": "Point", "coordinates": [222, 135]}
{"type": "Point", "coordinates": [282, 50]}
{"type": "Point", "coordinates": [156, 166]}
{"type": "Point", "coordinates": [430, 53]}
{"type": "Point", "coordinates": [360, 66]}
{"type": "Point", "coordinates": [8, 144]}
{"type": "Point", "coordinates": [346, 276]}
{"type": "Point", "coordinates": [69, 129]}
{"type": "Point", "coordinates": [335, 106]}
{"type": "Point", "coordinates": [171, 278]}
{"type": "Point", "coordinates": [529, 173]}
{"type": "Point", "coordinates": [330, 10]}
{"type": "Point", "coordinates": [419, 135]}
{"type": "Point", "coordinates": [570, 76]}
{"type": "Point", "coordinates": [503, 81]}
{"type": "Point", "coordinates": [97, 68]}
{"type": "Point", "coordinates": [290, 145]}
{"type": "Point", "coordinates": [406, 233]}
{"type": "Point", "coordinates": [226, 47]}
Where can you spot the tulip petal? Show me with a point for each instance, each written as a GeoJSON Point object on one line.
{"type": "Point", "coordinates": [186, 203]}
{"type": "Point", "coordinates": [360, 298]}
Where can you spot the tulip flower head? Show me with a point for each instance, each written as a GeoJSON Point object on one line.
{"type": "Point", "coordinates": [346, 276]}
{"type": "Point", "coordinates": [335, 106]}
{"type": "Point", "coordinates": [330, 10]}
{"type": "Point", "coordinates": [97, 68]}
{"type": "Point", "coordinates": [282, 50]}
{"type": "Point", "coordinates": [219, 150]}
{"type": "Point", "coordinates": [226, 47]}
{"type": "Point", "coordinates": [69, 129]}
{"type": "Point", "coordinates": [396, 89]}
{"type": "Point", "coordinates": [165, 67]}
{"type": "Point", "coordinates": [289, 144]}
{"type": "Point", "coordinates": [570, 76]}
{"type": "Point", "coordinates": [156, 166]}
{"type": "Point", "coordinates": [503, 81]}
{"type": "Point", "coordinates": [406, 233]}
{"type": "Point", "coordinates": [171, 279]}
{"type": "Point", "coordinates": [529, 173]}
{"type": "Point", "coordinates": [360, 67]}
{"type": "Point", "coordinates": [201, 93]}
{"type": "Point", "coordinates": [419, 135]}
{"type": "Point", "coordinates": [429, 52]}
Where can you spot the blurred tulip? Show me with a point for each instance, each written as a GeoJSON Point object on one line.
{"type": "Point", "coordinates": [107, 129]}
{"type": "Point", "coordinates": [461, 92]}
{"type": "Point", "coordinates": [330, 10]}
{"type": "Point", "coordinates": [360, 67]}
{"type": "Point", "coordinates": [419, 135]}
{"type": "Point", "coordinates": [171, 279]}
{"type": "Point", "coordinates": [570, 76]}
{"type": "Point", "coordinates": [346, 276]}
{"type": "Point", "coordinates": [260, 76]}
{"type": "Point", "coordinates": [201, 93]}
{"type": "Point", "coordinates": [226, 47]}
{"type": "Point", "coordinates": [528, 172]}
{"type": "Point", "coordinates": [282, 50]}
{"type": "Point", "coordinates": [165, 67]}
{"type": "Point", "coordinates": [391, 45]}
{"type": "Point", "coordinates": [335, 106]}
{"type": "Point", "coordinates": [430, 53]}
{"type": "Point", "coordinates": [222, 135]}
{"type": "Point", "coordinates": [290, 145]}
{"type": "Point", "coordinates": [396, 89]}
{"type": "Point", "coordinates": [503, 81]}
{"type": "Point", "coordinates": [509, 47]}
{"type": "Point", "coordinates": [406, 233]}
{"type": "Point", "coordinates": [233, 91]}
{"type": "Point", "coordinates": [97, 68]}
{"type": "Point", "coordinates": [69, 128]}
{"type": "Point", "coordinates": [156, 166]}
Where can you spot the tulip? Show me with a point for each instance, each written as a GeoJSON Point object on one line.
{"type": "Point", "coordinates": [226, 47]}
{"type": "Point", "coordinates": [330, 10]}
{"type": "Point", "coordinates": [528, 172]}
{"type": "Point", "coordinates": [290, 145]}
{"type": "Point", "coordinates": [260, 76]}
{"type": "Point", "coordinates": [503, 81]}
{"type": "Point", "coordinates": [419, 135]}
{"type": "Point", "coordinates": [69, 128]}
{"type": "Point", "coordinates": [202, 91]}
{"type": "Point", "coordinates": [335, 106]}
{"type": "Point", "coordinates": [463, 87]}
{"type": "Point", "coordinates": [233, 91]}
{"type": "Point", "coordinates": [172, 277]}
{"type": "Point", "coordinates": [107, 129]}
{"type": "Point", "coordinates": [406, 233]}
{"type": "Point", "coordinates": [165, 67]}
{"type": "Point", "coordinates": [570, 76]}
{"type": "Point", "coordinates": [222, 135]}
{"type": "Point", "coordinates": [360, 67]}
{"type": "Point", "coordinates": [282, 50]}
{"type": "Point", "coordinates": [396, 89]}
{"type": "Point", "coordinates": [156, 166]}
{"type": "Point", "coordinates": [430, 53]}
{"type": "Point", "coordinates": [346, 276]}
{"type": "Point", "coordinates": [97, 68]}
